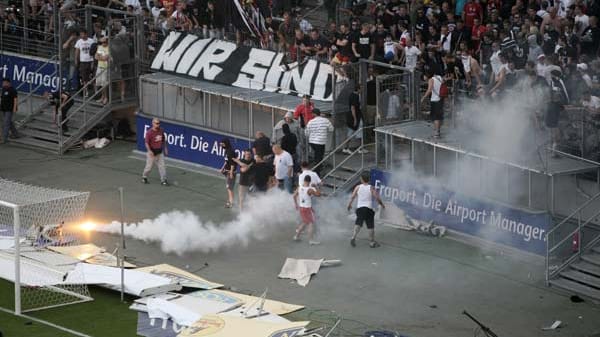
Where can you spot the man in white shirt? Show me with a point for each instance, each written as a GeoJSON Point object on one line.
{"type": "Point", "coordinates": [591, 103]}
{"type": "Point", "coordinates": [137, 7]}
{"type": "Point", "coordinates": [84, 60]}
{"type": "Point", "coordinates": [411, 55]}
{"type": "Point", "coordinates": [317, 131]}
{"type": "Point", "coordinates": [156, 10]}
{"type": "Point", "coordinates": [495, 61]}
{"type": "Point", "coordinates": [284, 168]}
{"type": "Point", "coordinates": [582, 21]}
{"type": "Point", "coordinates": [306, 171]}
{"type": "Point", "coordinates": [582, 68]}
{"type": "Point", "coordinates": [446, 40]}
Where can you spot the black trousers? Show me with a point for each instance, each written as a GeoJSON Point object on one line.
{"type": "Point", "coordinates": [319, 152]}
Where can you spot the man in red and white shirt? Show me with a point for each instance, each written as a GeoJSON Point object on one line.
{"type": "Point", "coordinates": [477, 34]}
{"type": "Point", "coordinates": [304, 111]}
{"type": "Point", "coordinates": [471, 11]}
{"type": "Point", "coordinates": [156, 150]}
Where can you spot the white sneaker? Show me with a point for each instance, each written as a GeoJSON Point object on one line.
{"type": "Point", "coordinates": [296, 237]}
{"type": "Point", "coordinates": [363, 151]}
{"type": "Point", "coordinates": [346, 151]}
{"type": "Point", "coordinates": [313, 243]}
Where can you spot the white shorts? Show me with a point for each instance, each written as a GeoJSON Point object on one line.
{"type": "Point", "coordinates": [101, 77]}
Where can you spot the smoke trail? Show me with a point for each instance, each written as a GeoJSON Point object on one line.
{"type": "Point", "coordinates": [183, 231]}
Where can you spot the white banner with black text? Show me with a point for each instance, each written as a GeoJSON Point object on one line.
{"type": "Point", "coordinates": [244, 67]}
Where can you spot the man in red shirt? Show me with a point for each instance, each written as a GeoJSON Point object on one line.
{"type": "Point", "coordinates": [471, 11]}
{"type": "Point", "coordinates": [304, 111]}
{"type": "Point", "coordinates": [156, 150]}
{"type": "Point", "coordinates": [477, 35]}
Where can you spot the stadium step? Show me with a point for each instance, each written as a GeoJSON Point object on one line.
{"type": "Point", "coordinates": [576, 287]}
{"type": "Point", "coordinates": [583, 278]}
{"type": "Point", "coordinates": [596, 249]}
{"type": "Point", "coordinates": [43, 135]}
{"type": "Point", "coordinates": [342, 174]}
{"type": "Point", "coordinates": [586, 267]}
{"type": "Point", "coordinates": [40, 131]}
{"type": "Point", "coordinates": [31, 142]}
{"type": "Point", "coordinates": [592, 258]}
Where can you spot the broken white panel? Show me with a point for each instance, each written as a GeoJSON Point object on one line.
{"type": "Point", "coordinates": [50, 258]}
{"type": "Point", "coordinates": [184, 310]}
{"type": "Point", "coordinates": [8, 242]}
{"type": "Point", "coordinates": [257, 314]}
{"type": "Point", "coordinates": [79, 252]}
{"type": "Point", "coordinates": [32, 273]}
{"type": "Point", "coordinates": [107, 259]}
{"type": "Point", "coordinates": [136, 282]}
{"type": "Point", "coordinates": [139, 304]}
{"type": "Point", "coordinates": [181, 276]}
{"type": "Point", "coordinates": [164, 296]}
{"type": "Point", "coordinates": [272, 306]}
{"type": "Point", "coordinates": [222, 325]}
{"type": "Point", "coordinates": [300, 270]}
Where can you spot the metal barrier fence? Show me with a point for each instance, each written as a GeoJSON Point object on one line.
{"type": "Point", "coordinates": [26, 41]}
{"type": "Point", "coordinates": [125, 36]}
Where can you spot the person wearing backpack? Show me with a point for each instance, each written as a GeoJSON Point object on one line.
{"type": "Point", "coordinates": [437, 90]}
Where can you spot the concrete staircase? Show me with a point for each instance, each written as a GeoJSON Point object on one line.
{"type": "Point", "coordinates": [573, 256]}
{"type": "Point", "coordinates": [40, 130]}
{"type": "Point", "coordinates": [582, 276]}
{"type": "Point", "coordinates": [340, 171]}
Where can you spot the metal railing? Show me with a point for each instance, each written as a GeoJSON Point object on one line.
{"type": "Point", "coordinates": [28, 41]}
{"type": "Point", "coordinates": [64, 143]}
{"type": "Point", "coordinates": [571, 244]}
{"type": "Point", "coordinates": [331, 156]}
{"type": "Point", "coordinates": [32, 91]}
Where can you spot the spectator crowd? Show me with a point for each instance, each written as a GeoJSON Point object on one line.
{"type": "Point", "coordinates": [479, 48]}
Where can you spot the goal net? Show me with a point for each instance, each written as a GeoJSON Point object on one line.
{"type": "Point", "coordinates": [32, 220]}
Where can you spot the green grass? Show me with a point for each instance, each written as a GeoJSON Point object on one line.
{"type": "Point", "coordinates": [105, 316]}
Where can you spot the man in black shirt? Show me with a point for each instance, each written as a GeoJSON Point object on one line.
{"type": "Point", "coordinates": [590, 38]}
{"type": "Point", "coordinates": [9, 106]}
{"type": "Point", "coordinates": [317, 46]}
{"type": "Point", "coordinates": [264, 175]}
{"type": "Point", "coordinates": [343, 44]}
{"type": "Point", "coordinates": [379, 40]}
{"type": "Point", "coordinates": [364, 46]}
{"type": "Point", "coordinates": [354, 118]}
{"type": "Point", "coordinates": [262, 146]}
{"type": "Point", "coordinates": [61, 99]}
{"type": "Point", "coordinates": [246, 177]}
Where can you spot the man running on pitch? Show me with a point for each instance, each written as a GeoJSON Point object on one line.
{"type": "Point", "coordinates": [365, 192]}
{"type": "Point", "coordinates": [305, 192]}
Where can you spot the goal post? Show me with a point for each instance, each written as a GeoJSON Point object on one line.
{"type": "Point", "coordinates": [16, 229]}
{"type": "Point", "coordinates": [33, 219]}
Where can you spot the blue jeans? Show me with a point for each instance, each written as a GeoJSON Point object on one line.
{"type": "Point", "coordinates": [286, 184]}
{"type": "Point", "coordinates": [8, 125]}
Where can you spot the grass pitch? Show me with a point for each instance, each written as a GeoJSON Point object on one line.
{"type": "Point", "coordinates": [105, 316]}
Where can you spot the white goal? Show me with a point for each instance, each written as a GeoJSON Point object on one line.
{"type": "Point", "coordinates": [32, 219]}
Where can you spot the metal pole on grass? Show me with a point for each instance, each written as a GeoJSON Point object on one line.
{"type": "Point", "coordinates": [17, 236]}
{"type": "Point", "coordinates": [122, 248]}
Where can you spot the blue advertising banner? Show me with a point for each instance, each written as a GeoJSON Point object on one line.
{"type": "Point", "coordinates": [191, 144]}
{"type": "Point", "coordinates": [483, 219]}
{"type": "Point", "coordinates": [24, 70]}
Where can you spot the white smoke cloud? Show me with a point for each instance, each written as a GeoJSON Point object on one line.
{"type": "Point", "coordinates": [264, 216]}
{"type": "Point", "coordinates": [505, 128]}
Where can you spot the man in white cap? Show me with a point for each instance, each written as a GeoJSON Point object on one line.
{"type": "Point", "coordinates": [583, 70]}
{"type": "Point", "coordinates": [288, 119]}
{"type": "Point", "coordinates": [540, 67]}
{"type": "Point", "coordinates": [294, 125]}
